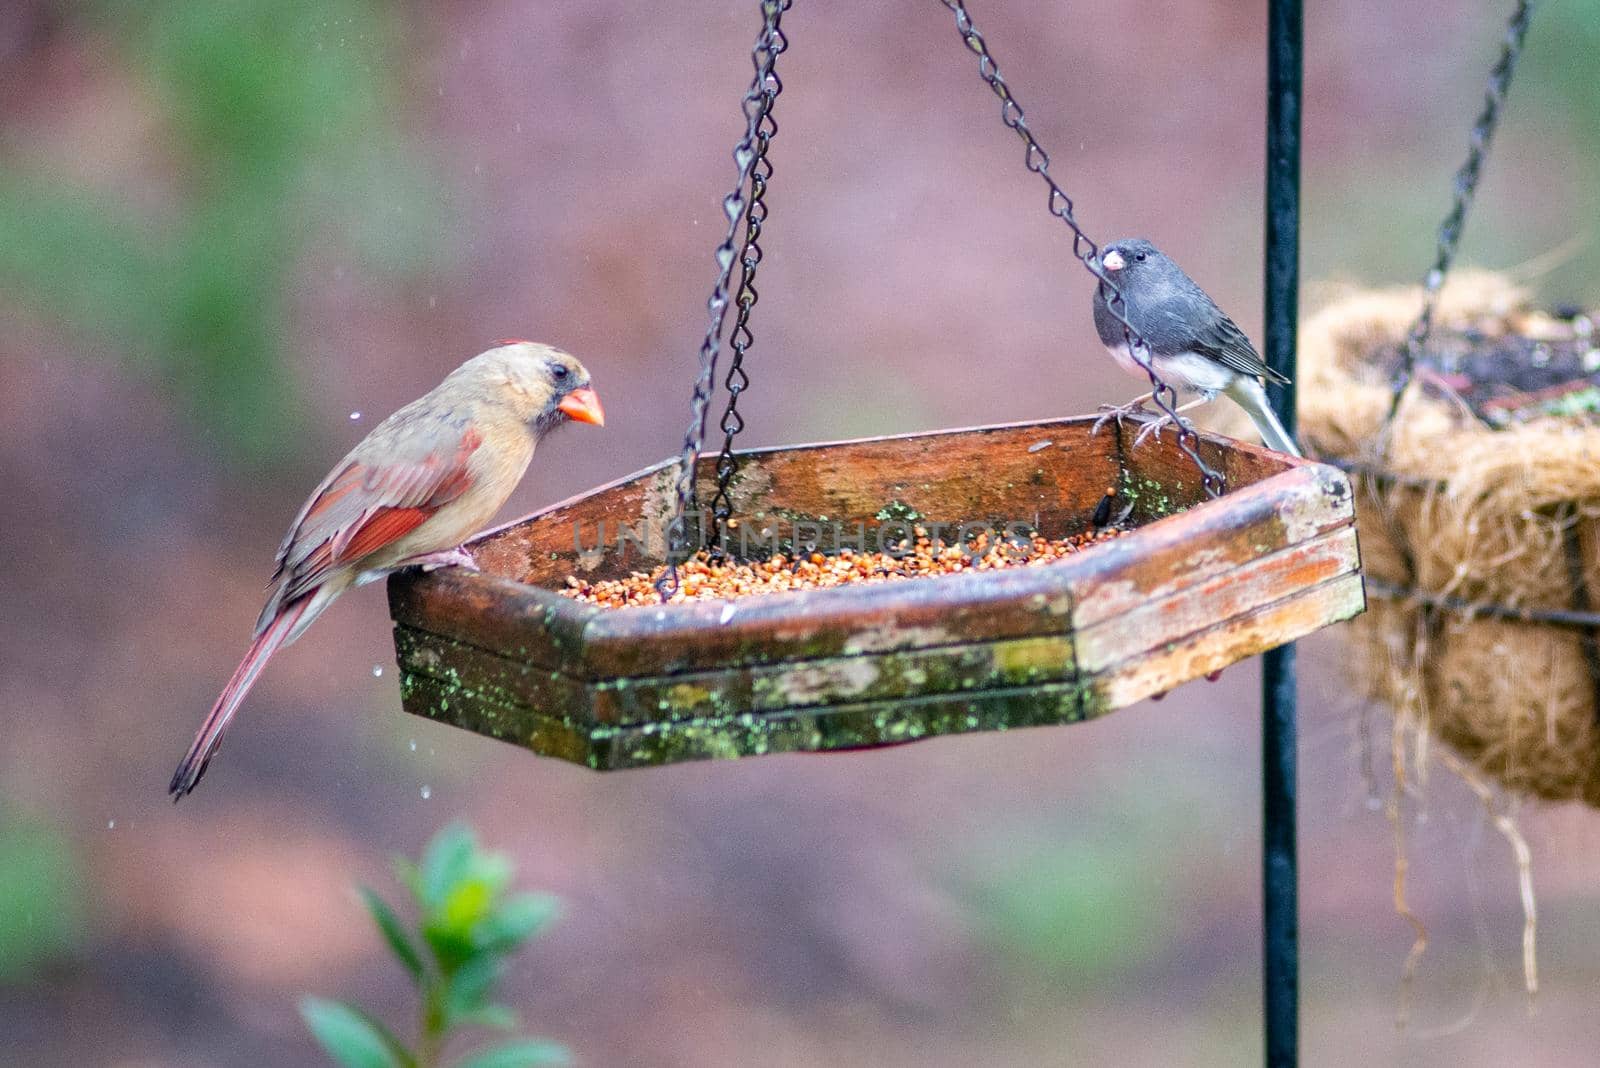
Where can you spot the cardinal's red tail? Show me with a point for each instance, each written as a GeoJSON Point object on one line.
{"type": "Point", "coordinates": [210, 736]}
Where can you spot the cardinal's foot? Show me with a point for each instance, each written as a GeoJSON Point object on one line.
{"type": "Point", "coordinates": [457, 557]}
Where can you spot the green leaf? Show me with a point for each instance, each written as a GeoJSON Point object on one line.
{"type": "Point", "coordinates": [494, 1017]}
{"type": "Point", "coordinates": [408, 874]}
{"type": "Point", "coordinates": [468, 989]}
{"type": "Point", "coordinates": [523, 1053]}
{"type": "Point", "coordinates": [42, 908]}
{"type": "Point", "coordinates": [444, 863]}
{"type": "Point", "coordinates": [394, 933]}
{"type": "Point", "coordinates": [516, 921]}
{"type": "Point", "coordinates": [467, 904]}
{"type": "Point", "coordinates": [351, 1037]}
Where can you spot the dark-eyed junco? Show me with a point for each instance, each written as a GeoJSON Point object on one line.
{"type": "Point", "coordinates": [1192, 344]}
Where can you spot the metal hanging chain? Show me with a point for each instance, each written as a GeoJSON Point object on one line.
{"type": "Point", "coordinates": [769, 43]}
{"type": "Point", "coordinates": [1083, 247]}
{"type": "Point", "coordinates": [741, 338]}
{"type": "Point", "coordinates": [1465, 188]}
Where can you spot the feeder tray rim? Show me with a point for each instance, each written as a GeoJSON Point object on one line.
{"type": "Point", "coordinates": [1049, 580]}
{"type": "Point", "coordinates": [870, 439]}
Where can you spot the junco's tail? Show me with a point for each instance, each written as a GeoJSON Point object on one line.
{"type": "Point", "coordinates": [1248, 394]}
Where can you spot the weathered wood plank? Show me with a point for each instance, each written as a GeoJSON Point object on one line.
{"type": "Point", "coordinates": [1196, 606]}
{"type": "Point", "coordinates": [1053, 469]}
{"type": "Point", "coordinates": [467, 673]}
{"type": "Point", "coordinates": [824, 729]}
{"type": "Point", "coordinates": [1196, 546]}
{"type": "Point", "coordinates": [1166, 480]}
{"type": "Point", "coordinates": [840, 621]}
{"type": "Point", "coordinates": [494, 612]}
{"type": "Point", "coordinates": [978, 665]}
{"type": "Point", "coordinates": [545, 734]}
{"type": "Point", "coordinates": [1229, 642]}
{"type": "Point", "coordinates": [889, 722]}
{"type": "Point", "coordinates": [838, 727]}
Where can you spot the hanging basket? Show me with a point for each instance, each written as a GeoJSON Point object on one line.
{"type": "Point", "coordinates": [1198, 585]}
{"type": "Point", "coordinates": [1480, 525]}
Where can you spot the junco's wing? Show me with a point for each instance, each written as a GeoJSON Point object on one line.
{"type": "Point", "coordinates": [1215, 335]}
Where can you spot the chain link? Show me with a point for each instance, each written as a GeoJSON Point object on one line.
{"type": "Point", "coordinates": [1465, 187]}
{"type": "Point", "coordinates": [756, 103]}
{"type": "Point", "coordinates": [741, 338]}
{"type": "Point", "coordinates": [1083, 247]}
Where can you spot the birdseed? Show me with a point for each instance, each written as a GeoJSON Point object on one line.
{"type": "Point", "coordinates": [703, 579]}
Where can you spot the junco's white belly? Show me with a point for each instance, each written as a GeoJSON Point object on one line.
{"type": "Point", "coordinates": [1187, 370]}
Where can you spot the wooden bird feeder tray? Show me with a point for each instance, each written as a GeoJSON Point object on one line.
{"type": "Point", "coordinates": [1200, 584]}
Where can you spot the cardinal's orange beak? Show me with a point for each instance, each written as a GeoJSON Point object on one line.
{"type": "Point", "coordinates": [583, 405]}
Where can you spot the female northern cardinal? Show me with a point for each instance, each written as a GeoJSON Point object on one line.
{"type": "Point", "coordinates": [426, 479]}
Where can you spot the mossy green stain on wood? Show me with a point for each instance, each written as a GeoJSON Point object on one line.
{"type": "Point", "coordinates": [854, 726]}
{"type": "Point", "coordinates": [1150, 499]}
{"type": "Point", "coordinates": [434, 685]}
{"type": "Point", "coordinates": [834, 679]}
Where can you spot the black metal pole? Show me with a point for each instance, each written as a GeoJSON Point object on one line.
{"type": "Point", "coordinates": [1279, 889]}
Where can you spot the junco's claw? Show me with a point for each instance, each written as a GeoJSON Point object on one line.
{"type": "Point", "coordinates": [1153, 428]}
{"type": "Point", "coordinates": [1118, 412]}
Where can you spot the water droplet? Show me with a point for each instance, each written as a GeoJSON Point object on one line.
{"type": "Point", "coordinates": [433, 302]}
{"type": "Point", "coordinates": [111, 825]}
{"type": "Point", "coordinates": [355, 417]}
{"type": "Point", "coordinates": [377, 671]}
{"type": "Point", "coordinates": [518, 127]}
{"type": "Point", "coordinates": [413, 745]}
{"type": "Point", "coordinates": [477, 168]}
{"type": "Point", "coordinates": [427, 792]}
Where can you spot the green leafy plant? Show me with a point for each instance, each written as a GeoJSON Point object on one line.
{"type": "Point", "coordinates": [280, 131]}
{"type": "Point", "coordinates": [467, 928]}
{"type": "Point", "coordinates": [43, 914]}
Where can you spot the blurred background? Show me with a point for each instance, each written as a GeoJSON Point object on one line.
{"type": "Point", "coordinates": [234, 235]}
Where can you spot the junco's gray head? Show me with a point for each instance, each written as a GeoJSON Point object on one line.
{"type": "Point", "coordinates": [1130, 258]}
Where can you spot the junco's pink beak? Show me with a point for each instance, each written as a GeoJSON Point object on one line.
{"type": "Point", "coordinates": [583, 405]}
{"type": "Point", "coordinates": [1113, 261]}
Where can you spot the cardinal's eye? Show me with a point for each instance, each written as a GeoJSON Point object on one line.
{"type": "Point", "coordinates": [558, 372]}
